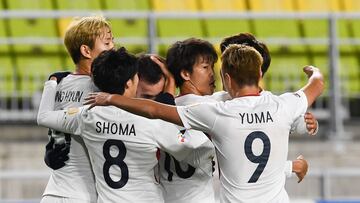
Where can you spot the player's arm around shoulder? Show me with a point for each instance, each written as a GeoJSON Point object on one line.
{"type": "Point", "coordinates": [63, 120]}
{"type": "Point", "coordinates": [142, 107]}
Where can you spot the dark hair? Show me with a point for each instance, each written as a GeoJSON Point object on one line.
{"type": "Point", "coordinates": [249, 40]}
{"type": "Point", "coordinates": [183, 55]}
{"type": "Point", "coordinates": [149, 71]}
{"type": "Point", "coordinates": [112, 69]}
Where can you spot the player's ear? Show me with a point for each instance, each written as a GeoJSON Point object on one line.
{"type": "Point", "coordinates": [185, 74]}
{"type": "Point", "coordinates": [132, 82]}
{"type": "Point", "coordinates": [227, 80]}
{"type": "Point", "coordinates": [85, 51]}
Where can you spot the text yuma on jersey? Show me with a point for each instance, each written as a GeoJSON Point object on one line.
{"type": "Point", "coordinates": [68, 96]}
{"type": "Point", "coordinates": [115, 128]}
{"type": "Point", "coordinates": [250, 118]}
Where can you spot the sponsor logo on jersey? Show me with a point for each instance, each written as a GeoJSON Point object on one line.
{"type": "Point", "coordinates": [72, 111]}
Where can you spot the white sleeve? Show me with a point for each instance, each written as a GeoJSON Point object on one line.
{"type": "Point", "coordinates": [299, 126]}
{"type": "Point", "coordinates": [199, 116]}
{"type": "Point", "coordinates": [295, 104]}
{"type": "Point", "coordinates": [170, 139]}
{"type": "Point", "coordinates": [203, 149]}
{"type": "Point", "coordinates": [67, 121]}
{"type": "Point", "coordinates": [288, 168]}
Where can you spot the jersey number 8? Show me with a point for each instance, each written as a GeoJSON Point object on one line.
{"type": "Point", "coordinates": [118, 161]}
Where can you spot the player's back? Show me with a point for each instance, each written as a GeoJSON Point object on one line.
{"type": "Point", "coordinates": [258, 140]}
{"type": "Point", "coordinates": [122, 148]}
{"type": "Point", "coordinates": [250, 135]}
{"type": "Point", "coordinates": [75, 179]}
{"type": "Point", "coordinates": [181, 181]}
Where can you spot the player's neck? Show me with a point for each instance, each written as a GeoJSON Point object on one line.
{"type": "Point", "coordinates": [245, 91]}
{"type": "Point", "coordinates": [83, 68]}
{"type": "Point", "coordinates": [189, 88]}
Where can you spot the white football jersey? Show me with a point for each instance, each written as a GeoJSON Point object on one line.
{"type": "Point", "coordinates": [75, 179]}
{"type": "Point", "coordinates": [121, 145]}
{"type": "Point", "coordinates": [250, 135]}
{"type": "Point", "coordinates": [182, 182]}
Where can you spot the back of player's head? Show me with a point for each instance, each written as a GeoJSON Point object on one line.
{"type": "Point", "coordinates": [112, 69]}
{"type": "Point", "coordinates": [149, 71]}
{"type": "Point", "coordinates": [249, 40]}
{"type": "Point", "coordinates": [242, 63]}
{"type": "Point", "coordinates": [183, 55]}
{"type": "Point", "coordinates": [83, 31]}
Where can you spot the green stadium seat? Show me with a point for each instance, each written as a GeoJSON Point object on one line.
{"type": "Point", "coordinates": [7, 82]}
{"type": "Point", "coordinates": [132, 28]}
{"type": "Point", "coordinates": [224, 27]}
{"type": "Point", "coordinates": [350, 74]}
{"type": "Point", "coordinates": [26, 5]}
{"type": "Point", "coordinates": [78, 4]}
{"type": "Point", "coordinates": [273, 28]}
{"type": "Point", "coordinates": [285, 71]}
{"type": "Point", "coordinates": [39, 28]}
{"type": "Point", "coordinates": [34, 70]}
{"type": "Point", "coordinates": [3, 47]}
{"type": "Point", "coordinates": [316, 28]}
{"type": "Point", "coordinates": [180, 28]}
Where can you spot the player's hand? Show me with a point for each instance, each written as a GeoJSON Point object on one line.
{"type": "Point", "coordinates": [56, 155]}
{"type": "Point", "coordinates": [311, 123]}
{"type": "Point", "coordinates": [170, 85]}
{"type": "Point", "coordinates": [161, 63]}
{"type": "Point", "coordinates": [300, 167]}
{"type": "Point", "coordinates": [97, 99]}
{"type": "Point", "coordinates": [59, 76]}
{"type": "Point", "coordinates": [309, 70]}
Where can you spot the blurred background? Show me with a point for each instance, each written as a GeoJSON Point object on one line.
{"type": "Point", "coordinates": [324, 33]}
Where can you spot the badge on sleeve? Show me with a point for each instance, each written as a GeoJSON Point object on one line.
{"type": "Point", "coordinates": [72, 111]}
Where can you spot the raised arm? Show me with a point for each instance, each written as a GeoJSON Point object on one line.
{"type": "Point", "coordinates": [143, 107]}
{"type": "Point", "coordinates": [315, 85]}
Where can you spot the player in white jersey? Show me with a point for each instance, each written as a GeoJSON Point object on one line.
{"type": "Point", "coordinates": [122, 146]}
{"type": "Point", "coordinates": [250, 132]}
{"type": "Point", "coordinates": [191, 62]}
{"type": "Point", "coordinates": [73, 180]}
{"type": "Point", "coordinates": [311, 125]}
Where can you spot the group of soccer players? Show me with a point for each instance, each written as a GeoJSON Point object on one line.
{"type": "Point", "coordinates": [116, 156]}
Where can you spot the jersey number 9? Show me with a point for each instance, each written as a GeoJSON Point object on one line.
{"type": "Point", "coordinates": [263, 158]}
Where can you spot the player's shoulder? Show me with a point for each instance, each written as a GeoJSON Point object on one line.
{"type": "Point", "coordinates": [78, 82]}
{"type": "Point", "coordinates": [77, 77]}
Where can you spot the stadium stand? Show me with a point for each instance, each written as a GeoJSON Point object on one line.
{"type": "Point", "coordinates": [217, 28]}
{"type": "Point", "coordinates": [130, 28]}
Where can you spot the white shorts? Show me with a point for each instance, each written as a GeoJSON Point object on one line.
{"type": "Point", "coordinates": [58, 199]}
